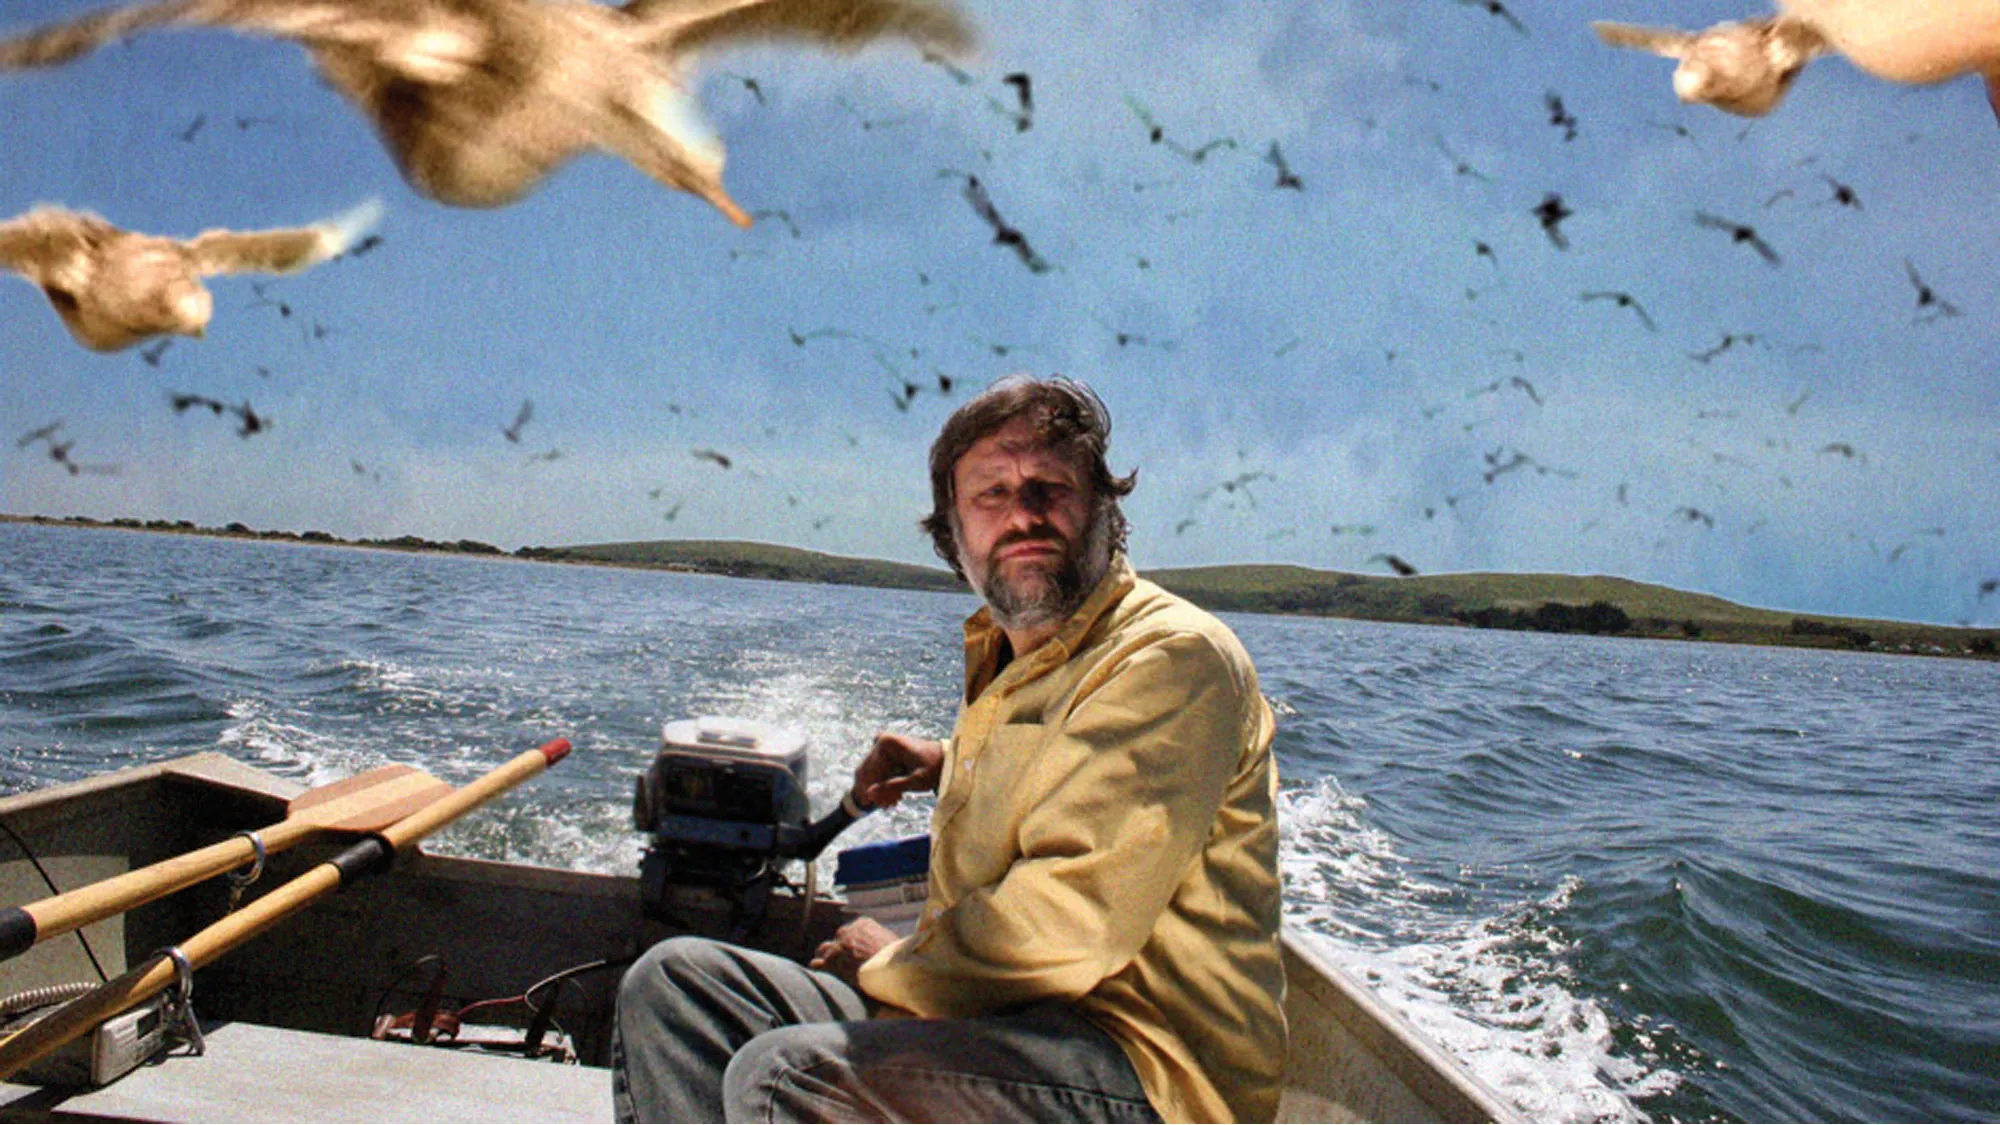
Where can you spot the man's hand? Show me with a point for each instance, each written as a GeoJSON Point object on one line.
{"type": "Point", "coordinates": [851, 947]}
{"type": "Point", "coordinates": [895, 765]}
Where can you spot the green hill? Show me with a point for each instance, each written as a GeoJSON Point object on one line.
{"type": "Point", "coordinates": [1557, 603]}
{"type": "Point", "coordinates": [1546, 602]}
{"type": "Point", "coordinates": [753, 560]}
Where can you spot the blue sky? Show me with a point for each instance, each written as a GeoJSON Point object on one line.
{"type": "Point", "coordinates": [1342, 353]}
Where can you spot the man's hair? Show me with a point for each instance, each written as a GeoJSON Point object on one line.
{"type": "Point", "coordinates": [1068, 418]}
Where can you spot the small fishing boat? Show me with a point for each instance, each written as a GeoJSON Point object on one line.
{"type": "Point", "coordinates": [449, 989]}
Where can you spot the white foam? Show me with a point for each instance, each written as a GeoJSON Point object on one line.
{"type": "Point", "coordinates": [1493, 992]}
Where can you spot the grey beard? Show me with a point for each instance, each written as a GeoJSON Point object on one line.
{"type": "Point", "coordinates": [1065, 591]}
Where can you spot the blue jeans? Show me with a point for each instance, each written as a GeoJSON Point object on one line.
{"type": "Point", "coordinates": [708, 1031]}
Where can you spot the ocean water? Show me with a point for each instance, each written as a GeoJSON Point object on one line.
{"type": "Point", "coordinates": [1621, 880]}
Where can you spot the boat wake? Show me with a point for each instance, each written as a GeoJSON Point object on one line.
{"type": "Point", "coordinates": [1493, 989]}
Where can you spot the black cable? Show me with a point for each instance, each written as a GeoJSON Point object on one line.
{"type": "Point", "coordinates": [401, 975]}
{"type": "Point", "coordinates": [55, 890]}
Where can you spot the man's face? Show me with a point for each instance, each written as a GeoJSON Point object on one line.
{"type": "Point", "coordinates": [1026, 533]}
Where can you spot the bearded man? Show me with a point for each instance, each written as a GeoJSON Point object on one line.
{"type": "Point", "coordinates": [1100, 941]}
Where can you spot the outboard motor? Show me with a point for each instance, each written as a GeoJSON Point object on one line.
{"type": "Point", "coordinates": [725, 800]}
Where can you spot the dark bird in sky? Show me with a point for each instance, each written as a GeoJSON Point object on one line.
{"type": "Point", "coordinates": [1551, 212]}
{"type": "Point", "coordinates": [521, 418]}
{"type": "Point", "coordinates": [1129, 339]}
{"type": "Point", "coordinates": [1989, 586]}
{"type": "Point", "coordinates": [59, 452]}
{"type": "Point", "coordinates": [1485, 250]}
{"type": "Point", "coordinates": [114, 288]}
{"type": "Point", "coordinates": [1154, 132]}
{"type": "Point", "coordinates": [1559, 116]}
{"type": "Point", "coordinates": [1286, 177]}
{"type": "Point", "coordinates": [1181, 526]}
{"type": "Point", "coordinates": [1459, 165]}
{"type": "Point", "coordinates": [478, 101]}
{"type": "Point", "coordinates": [721, 459]}
{"type": "Point", "coordinates": [1157, 134]}
{"type": "Point", "coordinates": [1241, 482]}
{"type": "Point", "coordinates": [152, 353]}
{"type": "Point", "coordinates": [1499, 11]}
{"type": "Point", "coordinates": [1396, 564]}
{"type": "Point", "coordinates": [249, 422]}
{"type": "Point", "coordinates": [1678, 130]}
{"type": "Point", "coordinates": [41, 433]}
{"type": "Point", "coordinates": [187, 135]}
{"type": "Point", "coordinates": [1739, 233]}
{"type": "Point", "coordinates": [1930, 306]}
{"type": "Point", "coordinates": [750, 85]}
{"type": "Point", "coordinates": [1842, 193]}
{"type": "Point", "coordinates": [1846, 450]}
{"type": "Point", "coordinates": [367, 243]}
{"type": "Point", "coordinates": [1744, 68]}
{"type": "Point", "coordinates": [1022, 113]}
{"type": "Point", "coordinates": [1362, 529]}
{"type": "Point", "coordinates": [957, 74]}
{"type": "Point", "coordinates": [781, 215]}
{"type": "Point", "coordinates": [1200, 153]}
{"type": "Point", "coordinates": [1728, 341]}
{"type": "Point", "coordinates": [870, 124]}
{"type": "Point", "coordinates": [1003, 234]}
{"type": "Point", "coordinates": [1695, 515]}
{"type": "Point", "coordinates": [1624, 301]}
{"type": "Point", "coordinates": [265, 301]}
{"type": "Point", "coordinates": [1514, 381]}
{"type": "Point", "coordinates": [1497, 467]}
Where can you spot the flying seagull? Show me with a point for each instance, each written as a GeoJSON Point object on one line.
{"type": "Point", "coordinates": [1744, 68]}
{"type": "Point", "coordinates": [1624, 301]}
{"type": "Point", "coordinates": [1003, 233]}
{"type": "Point", "coordinates": [1551, 211]}
{"type": "Point", "coordinates": [1738, 232]}
{"type": "Point", "coordinates": [1275, 157]}
{"type": "Point", "coordinates": [114, 288]}
{"type": "Point", "coordinates": [1930, 306]}
{"type": "Point", "coordinates": [478, 100]}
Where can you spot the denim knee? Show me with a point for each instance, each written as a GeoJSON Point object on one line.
{"type": "Point", "coordinates": [783, 1075]}
{"type": "Point", "coordinates": [660, 971]}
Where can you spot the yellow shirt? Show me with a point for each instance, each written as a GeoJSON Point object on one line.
{"type": "Point", "coordinates": [1105, 833]}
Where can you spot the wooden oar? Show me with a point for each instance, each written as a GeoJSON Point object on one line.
{"type": "Point", "coordinates": [158, 972]}
{"type": "Point", "coordinates": [368, 802]}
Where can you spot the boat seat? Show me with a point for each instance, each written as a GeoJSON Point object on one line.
{"type": "Point", "coordinates": [255, 1073]}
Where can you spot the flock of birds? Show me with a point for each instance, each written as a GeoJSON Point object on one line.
{"type": "Point", "coordinates": [477, 101]}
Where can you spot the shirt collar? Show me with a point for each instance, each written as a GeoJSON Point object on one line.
{"type": "Point", "coordinates": [983, 639]}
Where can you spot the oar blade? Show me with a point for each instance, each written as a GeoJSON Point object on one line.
{"type": "Point", "coordinates": [367, 802]}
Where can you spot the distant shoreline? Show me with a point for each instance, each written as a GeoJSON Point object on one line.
{"type": "Point", "coordinates": [1596, 605]}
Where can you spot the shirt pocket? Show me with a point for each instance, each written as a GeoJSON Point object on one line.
{"type": "Point", "coordinates": [989, 776]}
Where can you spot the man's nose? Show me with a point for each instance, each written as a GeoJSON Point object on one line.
{"type": "Point", "coordinates": [1034, 498]}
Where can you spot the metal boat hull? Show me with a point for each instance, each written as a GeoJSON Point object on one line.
{"type": "Point", "coordinates": [289, 1012]}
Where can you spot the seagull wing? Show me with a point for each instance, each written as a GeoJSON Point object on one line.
{"type": "Point", "coordinates": [277, 251]}
{"type": "Point", "coordinates": [40, 244]}
{"type": "Point", "coordinates": [1795, 42]}
{"type": "Point", "coordinates": [60, 43]}
{"type": "Point", "coordinates": [1667, 41]}
{"type": "Point", "coordinates": [305, 20]}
